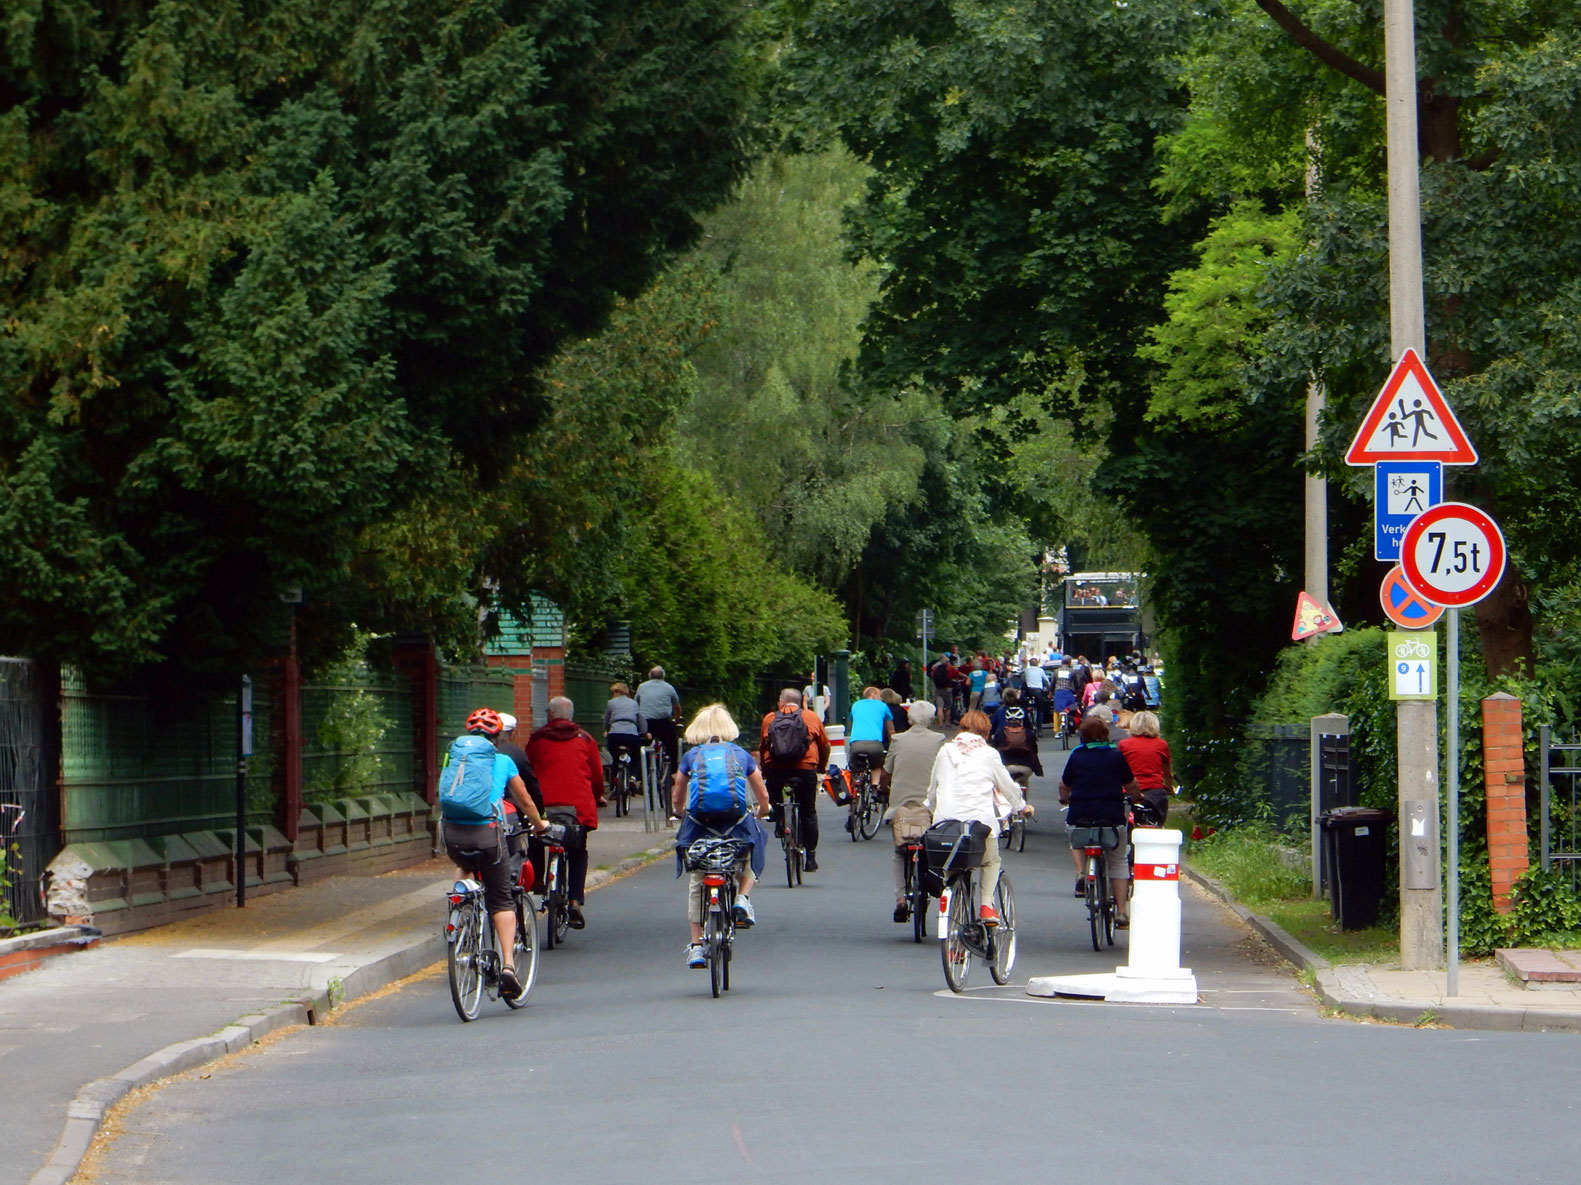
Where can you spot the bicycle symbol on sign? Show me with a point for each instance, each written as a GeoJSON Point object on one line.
{"type": "Point", "coordinates": [1413, 648]}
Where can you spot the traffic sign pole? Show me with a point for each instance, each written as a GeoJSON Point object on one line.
{"type": "Point", "coordinates": [1452, 706]}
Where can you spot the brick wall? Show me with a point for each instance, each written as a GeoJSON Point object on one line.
{"type": "Point", "coordinates": [1505, 771]}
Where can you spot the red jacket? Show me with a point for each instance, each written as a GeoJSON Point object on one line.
{"type": "Point", "coordinates": [569, 768]}
{"type": "Point", "coordinates": [817, 755]}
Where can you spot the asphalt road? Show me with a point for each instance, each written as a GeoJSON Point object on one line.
{"type": "Point", "coordinates": [840, 1056]}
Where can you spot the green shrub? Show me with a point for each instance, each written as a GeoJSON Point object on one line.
{"type": "Point", "coordinates": [1546, 910]}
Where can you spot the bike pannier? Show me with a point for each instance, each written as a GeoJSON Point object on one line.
{"type": "Point", "coordinates": [575, 834]}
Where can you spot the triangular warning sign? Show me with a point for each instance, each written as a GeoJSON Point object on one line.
{"type": "Point", "coordinates": [1410, 421]}
{"type": "Point", "coordinates": [1313, 618]}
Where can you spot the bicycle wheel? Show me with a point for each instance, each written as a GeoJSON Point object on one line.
{"type": "Point", "coordinates": [1005, 837]}
{"type": "Point", "coordinates": [952, 947]}
{"type": "Point", "coordinates": [524, 951]}
{"type": "Point", "coordinates": [790, 825]}
{"type": "Point", "coordinates": [872, 812]}
{"type": "Point", "coordinates": [1108, 909]}
{"type": "Point", "coordinates": [466, 964]}
{"type": "Point", "coordinates": [918, 896]}
{"type": "Point", "coordinates": [1020, 829]}
{"type": "Point", "coordinates": [714, 941]}
{"type": "Point", "coordinates": [1095, 871]}
{"type": "Point", "coordinates": [1005, 933]}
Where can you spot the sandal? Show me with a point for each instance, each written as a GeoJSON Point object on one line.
{"type": "Point", "coordinates": [510, 986]}
{"type": "Point", "coordinates": [574, 918]}
{"type": "Point", "coordinates": [1122, 921]}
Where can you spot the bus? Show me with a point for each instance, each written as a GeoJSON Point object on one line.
{"type": "Point", "coordinates": [1101, 614]}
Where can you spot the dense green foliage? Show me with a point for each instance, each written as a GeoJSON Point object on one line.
{"type": "Point", "coordinates": [278, 275]}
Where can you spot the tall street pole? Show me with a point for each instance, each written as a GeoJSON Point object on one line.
{"type": "Point", "coordinates": [1416, 721]}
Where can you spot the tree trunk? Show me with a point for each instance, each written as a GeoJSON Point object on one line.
{"type": "Point", "coordinates": [1504, 622]}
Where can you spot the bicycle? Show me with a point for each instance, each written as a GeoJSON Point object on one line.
{"type": "Point", "coordinates": [1014, 833]}
{"type": "Point", "coordinates": [556, 906]}
{"type": "Point", "coordinates": [916, 888]}
{"type": "Point", "coordinates": [790, 837]}
{"type": "Point", "coordinates": [662, 775]}
{"type": "Point", "coordinates": [716, 859]}
{"type": "Point", "coordinates": [868, 802]}
{"type": "Point", "coordinates": [472, 947]}
{"type": "Point", "coordinates": [623, 782]}
{"type": "Point", "coordinates": [1095, 843]}
{"type": "Point", "coordinates": [965, 934]}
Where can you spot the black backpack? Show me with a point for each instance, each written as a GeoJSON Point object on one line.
{"type": "Point", "coordinates": [788, 738]}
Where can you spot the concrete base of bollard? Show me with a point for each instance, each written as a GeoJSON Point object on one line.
{"type": "Point", "coordinates": [1122, 986]}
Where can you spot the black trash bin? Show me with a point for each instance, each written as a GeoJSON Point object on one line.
{"type": "Point", "coordinates": [1356, 846]}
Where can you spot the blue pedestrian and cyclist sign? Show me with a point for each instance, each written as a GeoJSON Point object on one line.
{"type": "Point", "coordinates": [1403, 490]}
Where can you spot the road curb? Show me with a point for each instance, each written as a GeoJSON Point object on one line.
{"type": "Point", "coordinates": [1328, 982]}
{"type": "Point", "coordinates": [85, 1113]}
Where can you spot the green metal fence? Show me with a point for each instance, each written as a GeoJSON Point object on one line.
{"type": "Point", "coordinates": [587, 685]}
{"type": "Point", "coordinates": [358, 736]}
{"type": "Point", "coordinates": [462, 689]}
{"type": "Point", "coordinates": [133, 766]}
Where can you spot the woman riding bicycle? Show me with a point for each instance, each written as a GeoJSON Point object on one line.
{"type": "Point", "coordinates": [625, 727]}
{"type": "Point", "coordinates": [968, 777]}
{"type": "Point", "coordinates": [695, 799]}
{"type": "Point", "coordinates": [1096, 783]}
{"type": "Point", "coordinates": [1147, 754]}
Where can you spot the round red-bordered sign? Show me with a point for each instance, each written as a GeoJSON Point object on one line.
{"type": "Point", "coordinates": [1453, 554]}
{"type": "Point", "coordinates": [1403, 605]}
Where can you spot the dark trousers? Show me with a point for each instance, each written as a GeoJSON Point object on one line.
{"type": "Point", "coordinates": [664, 734]}
{"type": "Point", "coordinates": [803, 783]}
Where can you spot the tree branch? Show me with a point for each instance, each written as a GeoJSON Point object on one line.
{"type": "Point", "coordinates": [1320, 49]}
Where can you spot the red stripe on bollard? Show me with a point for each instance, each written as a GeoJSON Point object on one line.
{"type": "Point", "coordinates": [1157, 872]}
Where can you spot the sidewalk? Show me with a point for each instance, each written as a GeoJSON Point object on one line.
{"type": "Point", "coordinates": [86, 1027]}
{"type": "Point", "coordinates": [1487, 998]}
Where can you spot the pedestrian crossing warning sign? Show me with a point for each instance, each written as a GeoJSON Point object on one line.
{"type": "Point", "coordinates": [1411, 421]}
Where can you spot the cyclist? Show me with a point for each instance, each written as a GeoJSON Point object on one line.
{"type": "Point", "coordinates": [1096, 783]}
{"type": "Point", "coordinates": [572, 775]}
{"type": "Point", "coordinates": [506, 744]}
{"type": "Point", "coordinates": [783, 771]}
{"type": "Point", "coordinates": [694, 795]}
{"type": "Point", "coordinates": [966, 784]}
{"type": "Point", "coordinates": [908, 767]}
{"type": "Point", "coordinates": [479, 847]}
{"type": "Point", "coordinates": [625, 727]}
{"type": "Point", "coordinates": [871, 727]}
{"type": "Point", "coordinates": [1147, 754]}
{"type": "Point", "coordinates": [1015, 736]}
{"type": "Point", "coordinates": [660, 705]}
{"type": "Point", "coordinates": [1036, 681]}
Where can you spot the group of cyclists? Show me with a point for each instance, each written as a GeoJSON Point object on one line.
{"type": "Point", "coordinates": [722, 789]}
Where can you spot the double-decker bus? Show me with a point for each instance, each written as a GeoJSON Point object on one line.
{"type": "Point", "coordinates": [1101, 614]}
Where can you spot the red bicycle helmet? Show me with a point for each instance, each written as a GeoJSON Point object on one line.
{"type": "Point", "coordinates": [485, 720]}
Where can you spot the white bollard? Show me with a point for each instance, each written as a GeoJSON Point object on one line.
{"type": "Point", "coordinates": [1155, 902]}
{"type": "Point", "coordinates": [836, 745]}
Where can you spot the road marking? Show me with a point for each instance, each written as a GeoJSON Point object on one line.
{"type": "Point", "coordinates": [260, 956]}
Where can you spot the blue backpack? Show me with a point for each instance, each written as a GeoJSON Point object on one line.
{"type": "Point", "coordinates": [718, 783]}
{"type": "Point", "coordinates": [466, 784]}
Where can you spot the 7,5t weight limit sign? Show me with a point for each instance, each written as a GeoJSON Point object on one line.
{"type": "Point", "coordinates": [1453, 555]}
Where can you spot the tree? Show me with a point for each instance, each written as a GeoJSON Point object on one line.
{"type": "Point", "coordinates": [279, 276]}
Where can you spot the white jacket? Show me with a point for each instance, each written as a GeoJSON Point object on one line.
{"type": "Point", "coordinates": [966, 774]}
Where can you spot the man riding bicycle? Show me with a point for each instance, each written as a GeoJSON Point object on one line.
{"type": "Point", "coordinates": [785, 730]}
{"type": "Point", "coordinates": [571, 773]}
{"type": "Point", "coordinates": [472, 787]}
{"type": "Point", "coordinates": [908, 766]}
{"type": "Point", "coordinates": [872, 727]}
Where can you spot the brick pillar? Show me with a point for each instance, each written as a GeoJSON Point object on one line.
{"type": "Point", "coordinates": [414, 657]}
{"type": "Point", "coordinates": [1504, 767]}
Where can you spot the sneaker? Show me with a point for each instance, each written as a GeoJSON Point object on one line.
{"type": "Point", "coordinates": [902, 911]}
{"type": "Point", "coordinates": [1081, 886]}
{"type": "Point", "coordinates": [697, 955]}
{"type": "Point", "coordinates": [809, 862]}
{"type": "Point", "coordinates": [742, 913]}
{"type": "Point", "coordinates": [510, 986]}
{"type": "Point", "coordinates": [987, 915]}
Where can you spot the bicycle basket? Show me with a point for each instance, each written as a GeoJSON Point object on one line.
{"type": "Point", "coordinates": [954, 845]}
{"type": "Point", "coordinates": [1107, 838]}
{"type": "Point", "coordinates": [715, 855]}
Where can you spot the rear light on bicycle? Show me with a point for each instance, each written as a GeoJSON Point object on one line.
{"type": "Point", "coordinates": [457, 899]}
{"type": "Point", "coordinates": [713, 880]}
